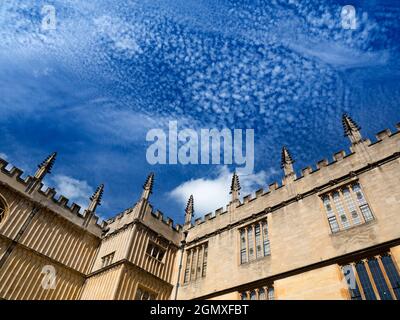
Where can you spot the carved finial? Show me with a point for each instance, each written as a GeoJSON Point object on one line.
{"type": "Point", "coordinates": [287, 161]}
{"type": "Point", "coordinates": [235, 187]}
{"type": "Point", "coordinates": [351, 129]}
{"type": "Point", "coordinates": [189, 211]}
{"type": "Point", "coordinates": [148, 186]}
{"type": "Point", "coordinates": [45, 166]}
{"type": "Point", "coordinates": [95, 199]}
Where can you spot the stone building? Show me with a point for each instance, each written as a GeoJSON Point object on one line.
{"type": "Point", "coordinates": [331, 233]}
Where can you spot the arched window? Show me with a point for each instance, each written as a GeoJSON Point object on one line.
{"type": "Point", "coordinates": [253, 295]}
{"type": "Point", "coordinates": [2, 210]}
{"type": "Point", "coordinates": [138, 294]}
{"type": "Point", "coordinates": [261, 294]}
{"type": "Point", "coordinates": [145, 296]}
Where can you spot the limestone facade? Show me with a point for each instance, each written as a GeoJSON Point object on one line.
{"type": "Point", "coordinates": [299, 239]}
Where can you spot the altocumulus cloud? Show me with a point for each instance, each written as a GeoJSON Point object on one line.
{"type": "Point", "coordinates": [212, 193]}
{"type": "Point", "coordinates": [76, 190]}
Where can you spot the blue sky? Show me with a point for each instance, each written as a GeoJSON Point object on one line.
{"type": "Point", "coordinates": [112, 70]}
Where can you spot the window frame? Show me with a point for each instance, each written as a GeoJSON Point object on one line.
{"type": "Point", "coordinates": [250, 243]}
{"type": "Point", "coordinates": [3, 209]}
{"type": "Point", "coordinates": [371, 274]}
{"type": "Point", "coordinates": [347, 201]}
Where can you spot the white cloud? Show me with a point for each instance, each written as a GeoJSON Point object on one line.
{"type": "Point", "coordinates": [3, 156]}
{"type": "Point", "coordinates": [211, 194]}
{"type": "Point", "coordinates": [77, 191]}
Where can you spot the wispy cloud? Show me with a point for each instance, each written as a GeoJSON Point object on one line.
{"type": "Point", "coordinates": [76, 190]}
{"type": "Point", "coordinates": [212, 193]}
{"type": "Point", "coordinates": [3, 156]}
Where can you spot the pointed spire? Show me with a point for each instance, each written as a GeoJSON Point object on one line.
{"type": "Point", "coordinates": [235, 187]}
{"type": "Point", "coordinates": [351, 129]}
{"type": "Point", "coordinates": [95, 199]}
{"type": "Point", "coordinates": [287, 161]}
{"type": "Point", "coordinates": [148, 186]}
{"type": "Point", "coordinates": [45, 166]}
{"type": "Point", "coordinates": [189, 211]}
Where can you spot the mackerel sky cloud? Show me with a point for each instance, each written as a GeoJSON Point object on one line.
{"type": "Point", "coordinates": [113, 70]}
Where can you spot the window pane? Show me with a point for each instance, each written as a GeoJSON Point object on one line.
{"type": "Point", "coordinates": [205, 261]}
{"type": "Point", "coordinates": [187, 269]}
{"type": "Point", "coordinates": [351, 206]}
{"type": "Point", "coordinates": [199, 262]}
{"type": "Point", "coordinates": [379, 280]}
{"type": "Point", "coordinates": [2, 210]}
{"type": "Point", "coordinates": [250, 242]}
{"type": "Point", "coordinates": [340, 210]}
{"type": "Point", "coordinates": [267, 248]}
{"type": "Point", "coordinates": [271, 295]}
{"type": "Point", "coordinates": [365, 282]}
{"type": "Point", "coordinates": [366, 212]}
{"type": "Point", "coordinates": [351, 282]}
{"type": "Point", "coordinates": [392, 273]}
{"type": "Point", "coordinates": [138, 295]}
{"type": "Point", "coordinates": [253, 295]}
{"type": "Point", "coordinates": [261, 294]}
{"type": "Point", "coordinates": [258, 241]}
{"type": "Point", "coordinates": [243, 252]}
{"type": "Point", "coordinates": [331, 215]}
{"type": "Point", "coordinates": [244, 296]}
{"type": "Point", "coordinates": [193, 272]}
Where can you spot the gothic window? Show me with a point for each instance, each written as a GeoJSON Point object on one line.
{"type": "Point", "coordinates": [392, 274]}
{"type": "Point", "coordinates": [254, 242]}
{"type": "Point", "coordinates": [2, 210]}
{"type": "Point", "coordinates": [373, 278]}
{"type": "Point", "coordinates": [107, 260]}
{"type": "Point", "coordinates": [346, 207]}
{"type": "Point", "coordinates": [271, 293]}
{"type": "Point", "coordinates": [263, 293]}
{"type": "Point", "coordinates": [144, 294]}
{"type": "Point", "coordinates": [330, 214]}
{"type": "Point", "coordinates": [196, 263]}
{"type": "Point", "coordinates": [156, 251]}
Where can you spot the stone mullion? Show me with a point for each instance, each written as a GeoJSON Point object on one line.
{"type": "Point", "coordinates": [381, 266]}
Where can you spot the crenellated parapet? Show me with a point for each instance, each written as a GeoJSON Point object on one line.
{"type": "Point", "coordinates": [312, 179]}
{"type": "Point", "coordinates": [46, 197]}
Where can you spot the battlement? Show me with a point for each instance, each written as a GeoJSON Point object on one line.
{"type": "Point", "coordinates": [47, 198]}
{"type": "Point", "coordinates": [166, 220]}
{"type": "Point", "coordinates": [310, 178]}
{"type": "Point", "coordinates": [125, 218]}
